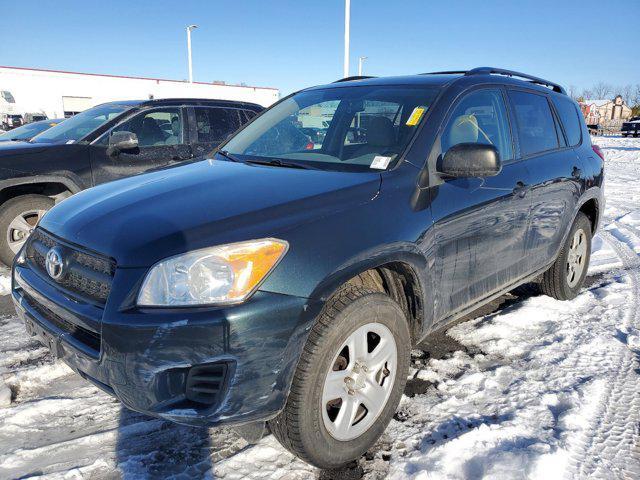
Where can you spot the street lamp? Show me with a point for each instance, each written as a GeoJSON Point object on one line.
{"type": "Point", "coordinates": [347, 15]}
{"type": "Point", "coordinates": [360, 62]}
{"type": "Point", "coordinates": [189, 28]}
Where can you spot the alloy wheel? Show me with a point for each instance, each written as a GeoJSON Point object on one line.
{"type": "Point", "coordinates": [21, 227]}
{"type": "Point", "coordinates": [358, 385]}
{"type": "Point", "coordinates": [576, 258]}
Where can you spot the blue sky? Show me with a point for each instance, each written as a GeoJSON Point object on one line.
{"type": "Point", "coordinates": [292, 44]}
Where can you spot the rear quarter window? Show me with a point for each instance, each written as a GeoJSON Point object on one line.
{"type": "Point", "coordinates": [570, 119]}
{"type": "Point", "coordinates": [536, 127]}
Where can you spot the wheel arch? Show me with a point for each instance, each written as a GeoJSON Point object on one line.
{"type": "Point", "coordinates": [400, 273]}
{"type": "Point", "coordinates": [48, 185]}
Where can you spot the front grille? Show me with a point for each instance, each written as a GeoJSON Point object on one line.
{"type": "Point", "coordinates": [83, 335]}
{"type": "Point", "coordinates": [85, 275]}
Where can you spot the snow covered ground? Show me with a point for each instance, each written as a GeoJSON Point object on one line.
{"type": "Point", "coordinates": [537, 389]}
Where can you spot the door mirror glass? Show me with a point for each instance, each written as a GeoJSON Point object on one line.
{"type": "Point", "coordinates": [470, 160]}
{"type": "Point", "coordinates": [123, 140]}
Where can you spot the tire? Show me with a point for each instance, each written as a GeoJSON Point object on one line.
{"type": "Point", "coordinates": [30, 206]}
{"type": "Point", "coordinates": [557, 282]}
{"type": "Point", "coordinates": [303, 425]}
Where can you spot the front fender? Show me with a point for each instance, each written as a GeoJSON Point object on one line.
{"type": "Point", "coordinates": [70, 180]}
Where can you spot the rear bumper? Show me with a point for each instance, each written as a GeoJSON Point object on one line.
{"type": "Point", "coordinates": [144, 357]}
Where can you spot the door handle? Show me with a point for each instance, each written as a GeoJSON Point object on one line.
{"type": "Point", "coordinates": [520, 189]}
{"type": "Point", "coordinates": [576, 173]}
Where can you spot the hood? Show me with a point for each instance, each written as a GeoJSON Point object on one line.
{"type": "Point", "coordinates": [16, 148]}
{"type": "Point", "coordinates": [141, 220]}
{"type": "Point", "coordinates": [19, 158]}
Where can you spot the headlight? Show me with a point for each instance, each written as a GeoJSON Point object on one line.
{"type": "Point", "coordinates": [220, 275]}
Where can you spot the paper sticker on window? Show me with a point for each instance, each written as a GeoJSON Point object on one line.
{"type": "Point", "coordinates": [380, 162]}
{"type": "Point", "coordinates": [416, 116]}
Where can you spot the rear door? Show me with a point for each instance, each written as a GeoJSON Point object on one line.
{"type": "Point", "coordinates": [480, 223]}
{"type": "Point", "coordinates": [213, 125]}
{"type": "Point", "coordinates": [555, 170]}
{"type": "Point", "coordinates": [162, 140]}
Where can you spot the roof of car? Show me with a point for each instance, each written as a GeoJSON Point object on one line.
{"type": "Point", "coordinates": [440, 79]}
{"type": "Point", "coordinates": [182, 101]}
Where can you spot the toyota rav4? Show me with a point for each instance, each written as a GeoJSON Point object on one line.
{"type": "Point", "coordinates": [285, 283]}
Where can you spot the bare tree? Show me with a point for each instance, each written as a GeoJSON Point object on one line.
{"type": "Point", "coordinates": [586, 95]}
{"type": "Point", "coordinates": [573, 92]}
{"type": "Point", "coordinates": [634, 101]}
{"type": "Point", "coordinates": [602, 90]}
{"type": "Point", "coordinates": [626, 92]}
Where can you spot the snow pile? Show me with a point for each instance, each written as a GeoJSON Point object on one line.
{"type": "Point", "coordinates": [537, 389]}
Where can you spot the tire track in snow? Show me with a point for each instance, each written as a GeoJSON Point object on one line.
{"type": "Point", "coordinates": [610, 447]}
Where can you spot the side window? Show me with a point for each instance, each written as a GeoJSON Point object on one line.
{"type": "Point", "coordinates": [158, 127]}
{"type": "Point", "coordinates": [480, 117]}
{"type": "Point", "coordinates": [247, 115]}
{"type": "Point", "coordinates": [213, 125]}
{"type": "Point", "coordinates": [536, 127]}
{"type": "Point", "coordinates": [570, 119]}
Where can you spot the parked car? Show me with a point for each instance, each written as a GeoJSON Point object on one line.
{"type": "Point", "coordinates": [9, 121]}
{"type": "Point", "coordinates": [28, 131]}
{"type": "Point", "coordinates": [34, 117]}
{"type": "Point", "coordinates": [632, 127]}
{"type": "Point", "coordinates": [104, 143]}
{"type": "Point", "coordinates": [278, 284]}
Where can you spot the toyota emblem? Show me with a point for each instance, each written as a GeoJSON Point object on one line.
{"type": "Point", "coordinates": [54, 263]}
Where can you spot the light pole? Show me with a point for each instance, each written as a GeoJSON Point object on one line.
{"type": "Point", "coordinates": [189, 28]}
{"type": "Point", "coordinates": [360, 62]}
{"type": "Point", "coordinates": [347, 15]}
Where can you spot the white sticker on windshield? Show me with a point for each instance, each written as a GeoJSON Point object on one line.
{"type": "Point", "coordinates": [380, 162]}
{"type": "Point", "coordinates": [69, 142]}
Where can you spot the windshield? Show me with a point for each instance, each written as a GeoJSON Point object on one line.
{"type": "Point", "coordinates": [345, 128]}
{"type": "Point", "coordinates": [26, 131]}
{"type": "Point", "coordinates": [80, 125]}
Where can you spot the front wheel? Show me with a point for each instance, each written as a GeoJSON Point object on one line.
{"type": "Point", "coordinates": [565, 277]}
{"type": "Point", "coordinates": [18, 217]}
{"type": "Point", "coordinates": [349, 380]}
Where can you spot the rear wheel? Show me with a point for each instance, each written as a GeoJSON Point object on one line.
{"type": "Point", "coordinates": [18, 217]}
{"type": "Point", "coordinates": [349, 380]}
{"type": "Point", "coordinates": [565, 277]}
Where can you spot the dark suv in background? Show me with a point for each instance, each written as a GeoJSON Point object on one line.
{"type": "Point", "coordinates": [104, 143]}
{"type": "Point", "coordinates": [287, 283]}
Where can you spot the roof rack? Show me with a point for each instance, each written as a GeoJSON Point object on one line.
{"type": "Point", "coordinates": [501, 71]}
{"type": "Point", "coordinates": [355, 77]}
{"type": "Point", "coordinates": [510, 73]}
{"type": "Point", "coordinates": [446, 72]}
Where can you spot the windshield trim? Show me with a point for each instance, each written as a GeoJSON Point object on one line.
{"type": "Point", "coordinates": [401, 157]}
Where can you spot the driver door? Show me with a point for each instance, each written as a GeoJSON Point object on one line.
{"type": "Point", "coordinates": [480, 224]}
{"type": "Point", "coordinates": [162, 141]}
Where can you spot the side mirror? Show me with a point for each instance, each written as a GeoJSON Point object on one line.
{"type": "Point", "coordinates": [119, 141]}
{"type": "Point", "coordinates": [470, 160]}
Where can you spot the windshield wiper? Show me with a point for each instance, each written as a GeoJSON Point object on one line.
{"type": "Point", "coordinates": [227, 155]}
{"type": "Point", "coordinates": [276, 162]}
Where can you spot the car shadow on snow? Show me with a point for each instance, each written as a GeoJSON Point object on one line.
{"type": "Point", "coordinates": [153, 448]}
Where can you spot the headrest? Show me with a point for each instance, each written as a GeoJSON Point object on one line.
{"type": "Point", "coordinates": [463, 130]}
{"type": "Point", "coordinates": [380, 132]}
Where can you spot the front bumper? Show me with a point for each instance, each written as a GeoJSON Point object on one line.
{"type": "Point", "coordinates": [143, 356]}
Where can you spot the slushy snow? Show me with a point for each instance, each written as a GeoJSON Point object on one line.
{"type": "Point", "coordinates": [537, 389]}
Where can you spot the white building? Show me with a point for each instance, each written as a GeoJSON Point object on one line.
{"type": "Point", "coordinates": [60, 94]}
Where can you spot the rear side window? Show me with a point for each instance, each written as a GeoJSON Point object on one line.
{"type": "Point", "coordinates": [570, 120]}
{"type": "Point", "coordinates": [536, 127]}
{"type": "Point", "coordinates": [214, 125]}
